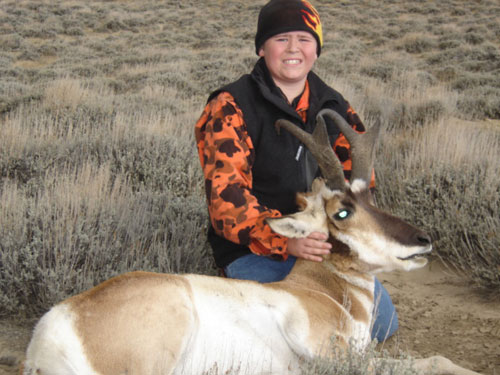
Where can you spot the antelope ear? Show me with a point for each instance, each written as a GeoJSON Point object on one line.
{"type": "Point", "coordinates": [289, 227]}
{"type": "Point", "coordinates": [293, 226]}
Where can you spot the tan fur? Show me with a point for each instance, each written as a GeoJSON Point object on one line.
{"type": "Point", "coordinates": [138, 322]}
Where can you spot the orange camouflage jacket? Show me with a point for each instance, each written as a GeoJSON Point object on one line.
{"type": "Point", "coordinates": [226, 152]}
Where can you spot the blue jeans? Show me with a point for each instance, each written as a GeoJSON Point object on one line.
{"type": "Point", "coordinates": [267, 270]}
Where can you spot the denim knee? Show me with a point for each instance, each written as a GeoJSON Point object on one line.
{"type": "Point", "coordinates": [259, 268]}
{"type": "Point", "coordinates": [385, 316]}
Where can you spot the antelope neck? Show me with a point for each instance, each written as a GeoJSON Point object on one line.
{"type": "Point", "coordinates": [338, 281]}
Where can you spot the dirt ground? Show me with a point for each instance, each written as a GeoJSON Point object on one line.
{"type": "Point", "coordinates": [438, 314]}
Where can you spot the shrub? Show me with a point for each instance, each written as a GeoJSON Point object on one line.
{"type": "Point", "coordinates": [348, 361]}
{"type": "Point", "coordinates": [11, 42]}
{"type": "Point", "coordinates": [85, 228]}
{"type": "Point", "coordinates": [90, 190]}
{"type": "Point", "coordinates": [417, 43]}
{"type": "Point", "coordinates": [382, 71]}
{"type": "Point", "coordinates": [474, 38]}
{"type": "Point", "coordinates": [407, 115]}
{"type": "Point", "coordinates": [479, 102]}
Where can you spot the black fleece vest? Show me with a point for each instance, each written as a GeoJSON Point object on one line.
{"type": "Point", "coordinates": [282, 166]}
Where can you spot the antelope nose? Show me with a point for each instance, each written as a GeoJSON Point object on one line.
{"type": "Point", "coordinates": [424, 239]}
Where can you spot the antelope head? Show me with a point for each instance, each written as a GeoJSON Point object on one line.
{"type": "Point", "coordinates": [378, 241]}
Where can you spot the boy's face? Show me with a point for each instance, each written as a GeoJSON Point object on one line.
{"type": "Point", "coordinates": [290, 56]}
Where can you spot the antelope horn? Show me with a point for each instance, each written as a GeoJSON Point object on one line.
{"type": "Point", "coordinates": [319, 146]}
{"type": "Point", "coordinates": [362, 145]}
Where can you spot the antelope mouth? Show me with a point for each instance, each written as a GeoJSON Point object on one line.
{"type": "Point", "coordinates": [416, 260]}
{"type": "Point", "coordinates": [419, 255]}
{"type": "Point", "coordinates": [414, 256]}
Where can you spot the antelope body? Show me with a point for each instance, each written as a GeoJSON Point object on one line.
{"type": "Point", "coordinates": [146, 323]}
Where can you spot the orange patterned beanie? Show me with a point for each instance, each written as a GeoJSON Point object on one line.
{"type": "Point", "coordinates": [281, 16]}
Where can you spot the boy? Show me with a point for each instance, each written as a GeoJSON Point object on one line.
{"type": "Point", "coordinates": [251, 173]}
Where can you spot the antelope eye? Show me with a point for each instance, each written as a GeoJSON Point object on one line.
{"type": "Point", "coordinates": [342, 214]}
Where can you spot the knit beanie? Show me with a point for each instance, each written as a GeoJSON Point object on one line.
{"type": "Point", "coordinates": [281, 16]}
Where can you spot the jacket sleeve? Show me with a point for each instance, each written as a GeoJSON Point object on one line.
{"type": "Point", "coordinates": [226, 155]}
{"type": "Point", "coordinates": [342, 147]}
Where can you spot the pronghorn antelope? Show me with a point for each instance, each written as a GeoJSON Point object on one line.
{"type": "Point", "coordinates": [145, 323]}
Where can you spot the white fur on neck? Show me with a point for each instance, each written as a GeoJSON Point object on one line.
{"type": "Point", "coordinates": [359, 282]}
